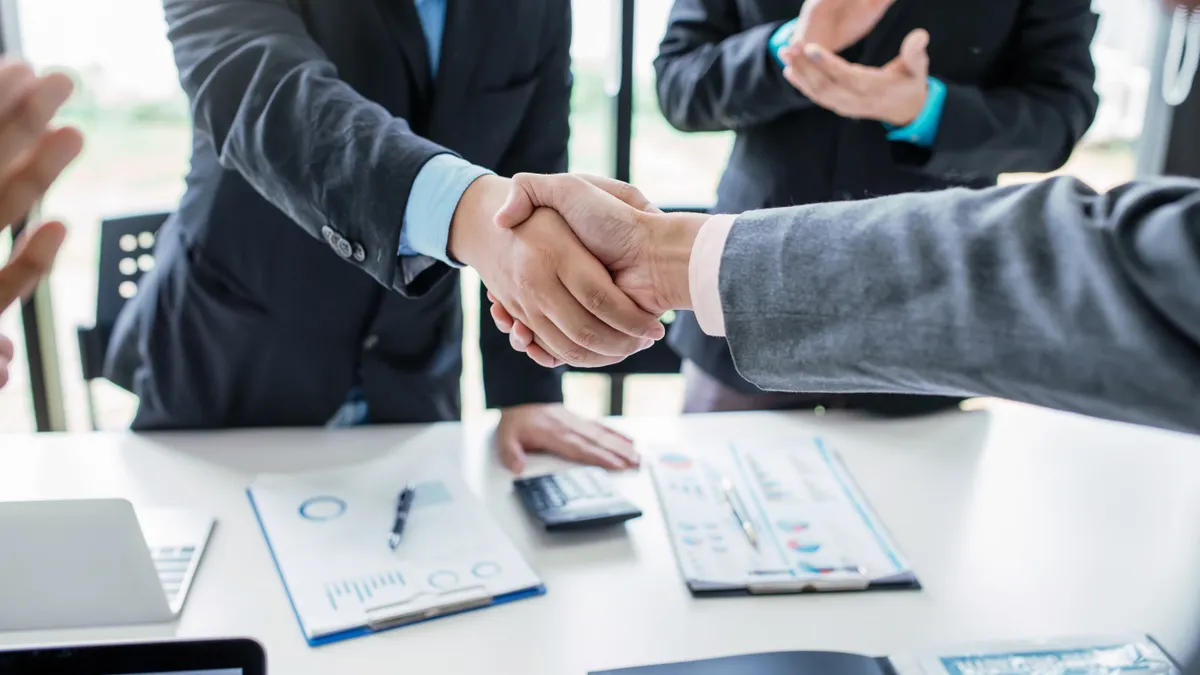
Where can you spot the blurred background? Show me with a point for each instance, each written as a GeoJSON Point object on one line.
{"type": "Point", "coordinates": [129, 105]}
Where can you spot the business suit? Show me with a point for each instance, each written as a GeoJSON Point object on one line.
{"type": "Point", "coordinates": [1047, 293]}
{"type": "Point", "coordinates": [1018, 97]}
{"type": "Point", "coordinates": [279, 286]}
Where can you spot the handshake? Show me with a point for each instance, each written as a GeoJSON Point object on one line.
{"type": "Point", "coordinates": [578, 268]}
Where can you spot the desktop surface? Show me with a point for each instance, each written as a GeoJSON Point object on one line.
{"type": "Point", "coordinates": [1021, 523]}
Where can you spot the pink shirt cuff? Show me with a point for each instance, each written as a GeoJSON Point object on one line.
{"type": "Point", "coordinates": [704, 273]}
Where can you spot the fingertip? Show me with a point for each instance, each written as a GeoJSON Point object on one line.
{"type": "Point", "coordinates": [502, 319]}
{"type": "Point", "coordinates": [57, 87]}
{"type": "Point", "coordinates": [71, 138]}
{"type": "Point", "coordinates": [814, 51]}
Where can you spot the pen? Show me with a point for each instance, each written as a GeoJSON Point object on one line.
{"type": "Point", "coordinates": [739, 511]}
{"type": "Point", "coordinates": [403, 506]}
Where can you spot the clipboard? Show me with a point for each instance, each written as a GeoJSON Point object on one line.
{"type": "Point", "coordinates": [327, 531]}
{"type": "Point", "coordinates": [774, 516]}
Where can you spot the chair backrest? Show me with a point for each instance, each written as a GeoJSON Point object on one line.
{"type": "Point", "coordinates": [126, 253]}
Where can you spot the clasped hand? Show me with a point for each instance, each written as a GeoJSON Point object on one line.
{"type": "Point", "coordinates": [619, 245]}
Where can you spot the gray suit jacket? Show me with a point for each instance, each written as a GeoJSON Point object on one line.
{"type": "Point", "coordinates": [1047, 293]}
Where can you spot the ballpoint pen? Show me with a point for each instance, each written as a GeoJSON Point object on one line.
{"type": "Point", "coordinates": [739, 511]}
{"type": "Point", "coordinates": [403, 506]}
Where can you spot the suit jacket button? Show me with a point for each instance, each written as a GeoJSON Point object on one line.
{"type": "Point", "coordinates": [371, 341]}
{"type": "Point", "coordinates": [343, 247]}
{"type": "Point", "coordinates": [359, 254]}
{"type": "Point", "coordinates": [327, 233]}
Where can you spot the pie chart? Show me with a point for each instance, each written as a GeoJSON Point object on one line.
{"type": "Point", "coordinates": [673, 460]}
{"type": "Point", "coordinates": [803, 546]}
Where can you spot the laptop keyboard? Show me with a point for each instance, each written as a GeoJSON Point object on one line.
{"type": "Point", "coordinates": [172, 564]}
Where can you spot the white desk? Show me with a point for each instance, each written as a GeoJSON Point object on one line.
{"type": "Point", "coordinates": [1021, 524]}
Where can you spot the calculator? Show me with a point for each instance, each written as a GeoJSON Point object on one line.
{"type": "Point", "coordinates": [574, 499]}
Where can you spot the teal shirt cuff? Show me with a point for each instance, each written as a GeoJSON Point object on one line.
{"type": "Point", "coordinates": [780, 39]}
{"type": "Point", "coordinates": [435, 194]}
{"type": "Point", "coordinates": [923, 130]}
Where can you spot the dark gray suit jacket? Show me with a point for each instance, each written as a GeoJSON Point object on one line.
{"type": "Point", "coordinates": [1047, 293]}
{"type": "Point", "coordinates": [279, 277]}
{"type": "Point", "coordinates": [1019, 96]}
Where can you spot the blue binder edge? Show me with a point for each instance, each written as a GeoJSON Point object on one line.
{"type": "Point", "coordinates": [533, 592]}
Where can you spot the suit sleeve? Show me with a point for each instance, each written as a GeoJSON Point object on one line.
{"type": "Point", "coordinates": [540, 146]}
{"type": "Point", "coordinates": [275, 110]}
{"type": "Point", "coordinates": [1047, 293]}
{"type": "Point", "coordinates": [1036, 107]}
{"type": "Point", "coordinates": [715, 76]}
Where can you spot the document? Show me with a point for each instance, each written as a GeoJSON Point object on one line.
{"type": "Point", "coordinates": [1077, 656]}
{"type": "Point", "coordinates": [796, 521]}
{"type": "Point", "coordinates": [328, 532]}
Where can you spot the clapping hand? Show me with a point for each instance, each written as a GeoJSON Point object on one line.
{"type": "Point", "coordinates": [837, 24]}
{"type": "Point", "coordinates": [894, 93]}
{"type": "Point", "coordinates": [32, 155]}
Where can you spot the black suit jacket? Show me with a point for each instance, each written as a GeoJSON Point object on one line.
{"type": "Point", "coordinates": [279, 277]}
{"type": "Point", "coordinates": [1019, 79]}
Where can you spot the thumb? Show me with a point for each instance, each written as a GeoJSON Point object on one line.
{"type": "Point", "coordinates": [560, 192]}
{"type": "Point", "coordinates": [913, 51]}
{"type": "Point", "coordinates": [32, 257]}
{"type": "Point", "coordinates": [525, 194]}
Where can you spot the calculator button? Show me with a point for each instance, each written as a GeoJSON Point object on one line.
{"type": "Point", "coordinates": [555, 496]}
{"type": "Point", "coordinates": [600, 484]}
{"type": "Point", "coordinates": [568, 487]}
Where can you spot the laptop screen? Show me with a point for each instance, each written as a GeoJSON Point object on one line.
{"type": "Point", "coordinates": [172, 657]}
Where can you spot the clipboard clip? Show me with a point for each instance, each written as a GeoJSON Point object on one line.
{"type": "Point", "coordinates": [402, 613]}
{"type": "Point", "coordinates": [842, 580]}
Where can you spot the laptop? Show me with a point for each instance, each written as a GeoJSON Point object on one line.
{"type": "Point", "coordinates": [96, 562]}
{"type": "Point", "coordinates": [177, 657]}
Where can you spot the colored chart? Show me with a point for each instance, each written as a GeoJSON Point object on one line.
{"type": "Point", "coordinates": [792, 526]}
{"type": "Point", "coordinates": [360, 590]}
{"type": "Point", "coordinates": [693, 541]}
{"type": "Point", "coordinates": [675, 461]}
{"type": "Point", "coordinates": [812, 569]}
{"type": "Point", "coordinates": [803, 547]}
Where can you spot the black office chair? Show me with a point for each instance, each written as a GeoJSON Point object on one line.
{"type": "Point", "coordinates": [126, 253]}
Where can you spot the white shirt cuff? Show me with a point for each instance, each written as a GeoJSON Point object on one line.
{"type": "Point", "coordinates": [704, 273]}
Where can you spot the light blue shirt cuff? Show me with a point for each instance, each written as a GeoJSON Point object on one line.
{"type": "Point", "coordinates": [780, 39]}
{"type": "Point", "coordinates": [923, 130]}
{"type": "Point", "coordinates": [439, 186]}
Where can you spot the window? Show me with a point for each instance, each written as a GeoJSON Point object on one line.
{"type": "Point", "coordinates": [1122, 51]}
{"type": "Point", "coordinates": [135, 118]}
{"type": "Point", "coordinates": [671, 167]}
